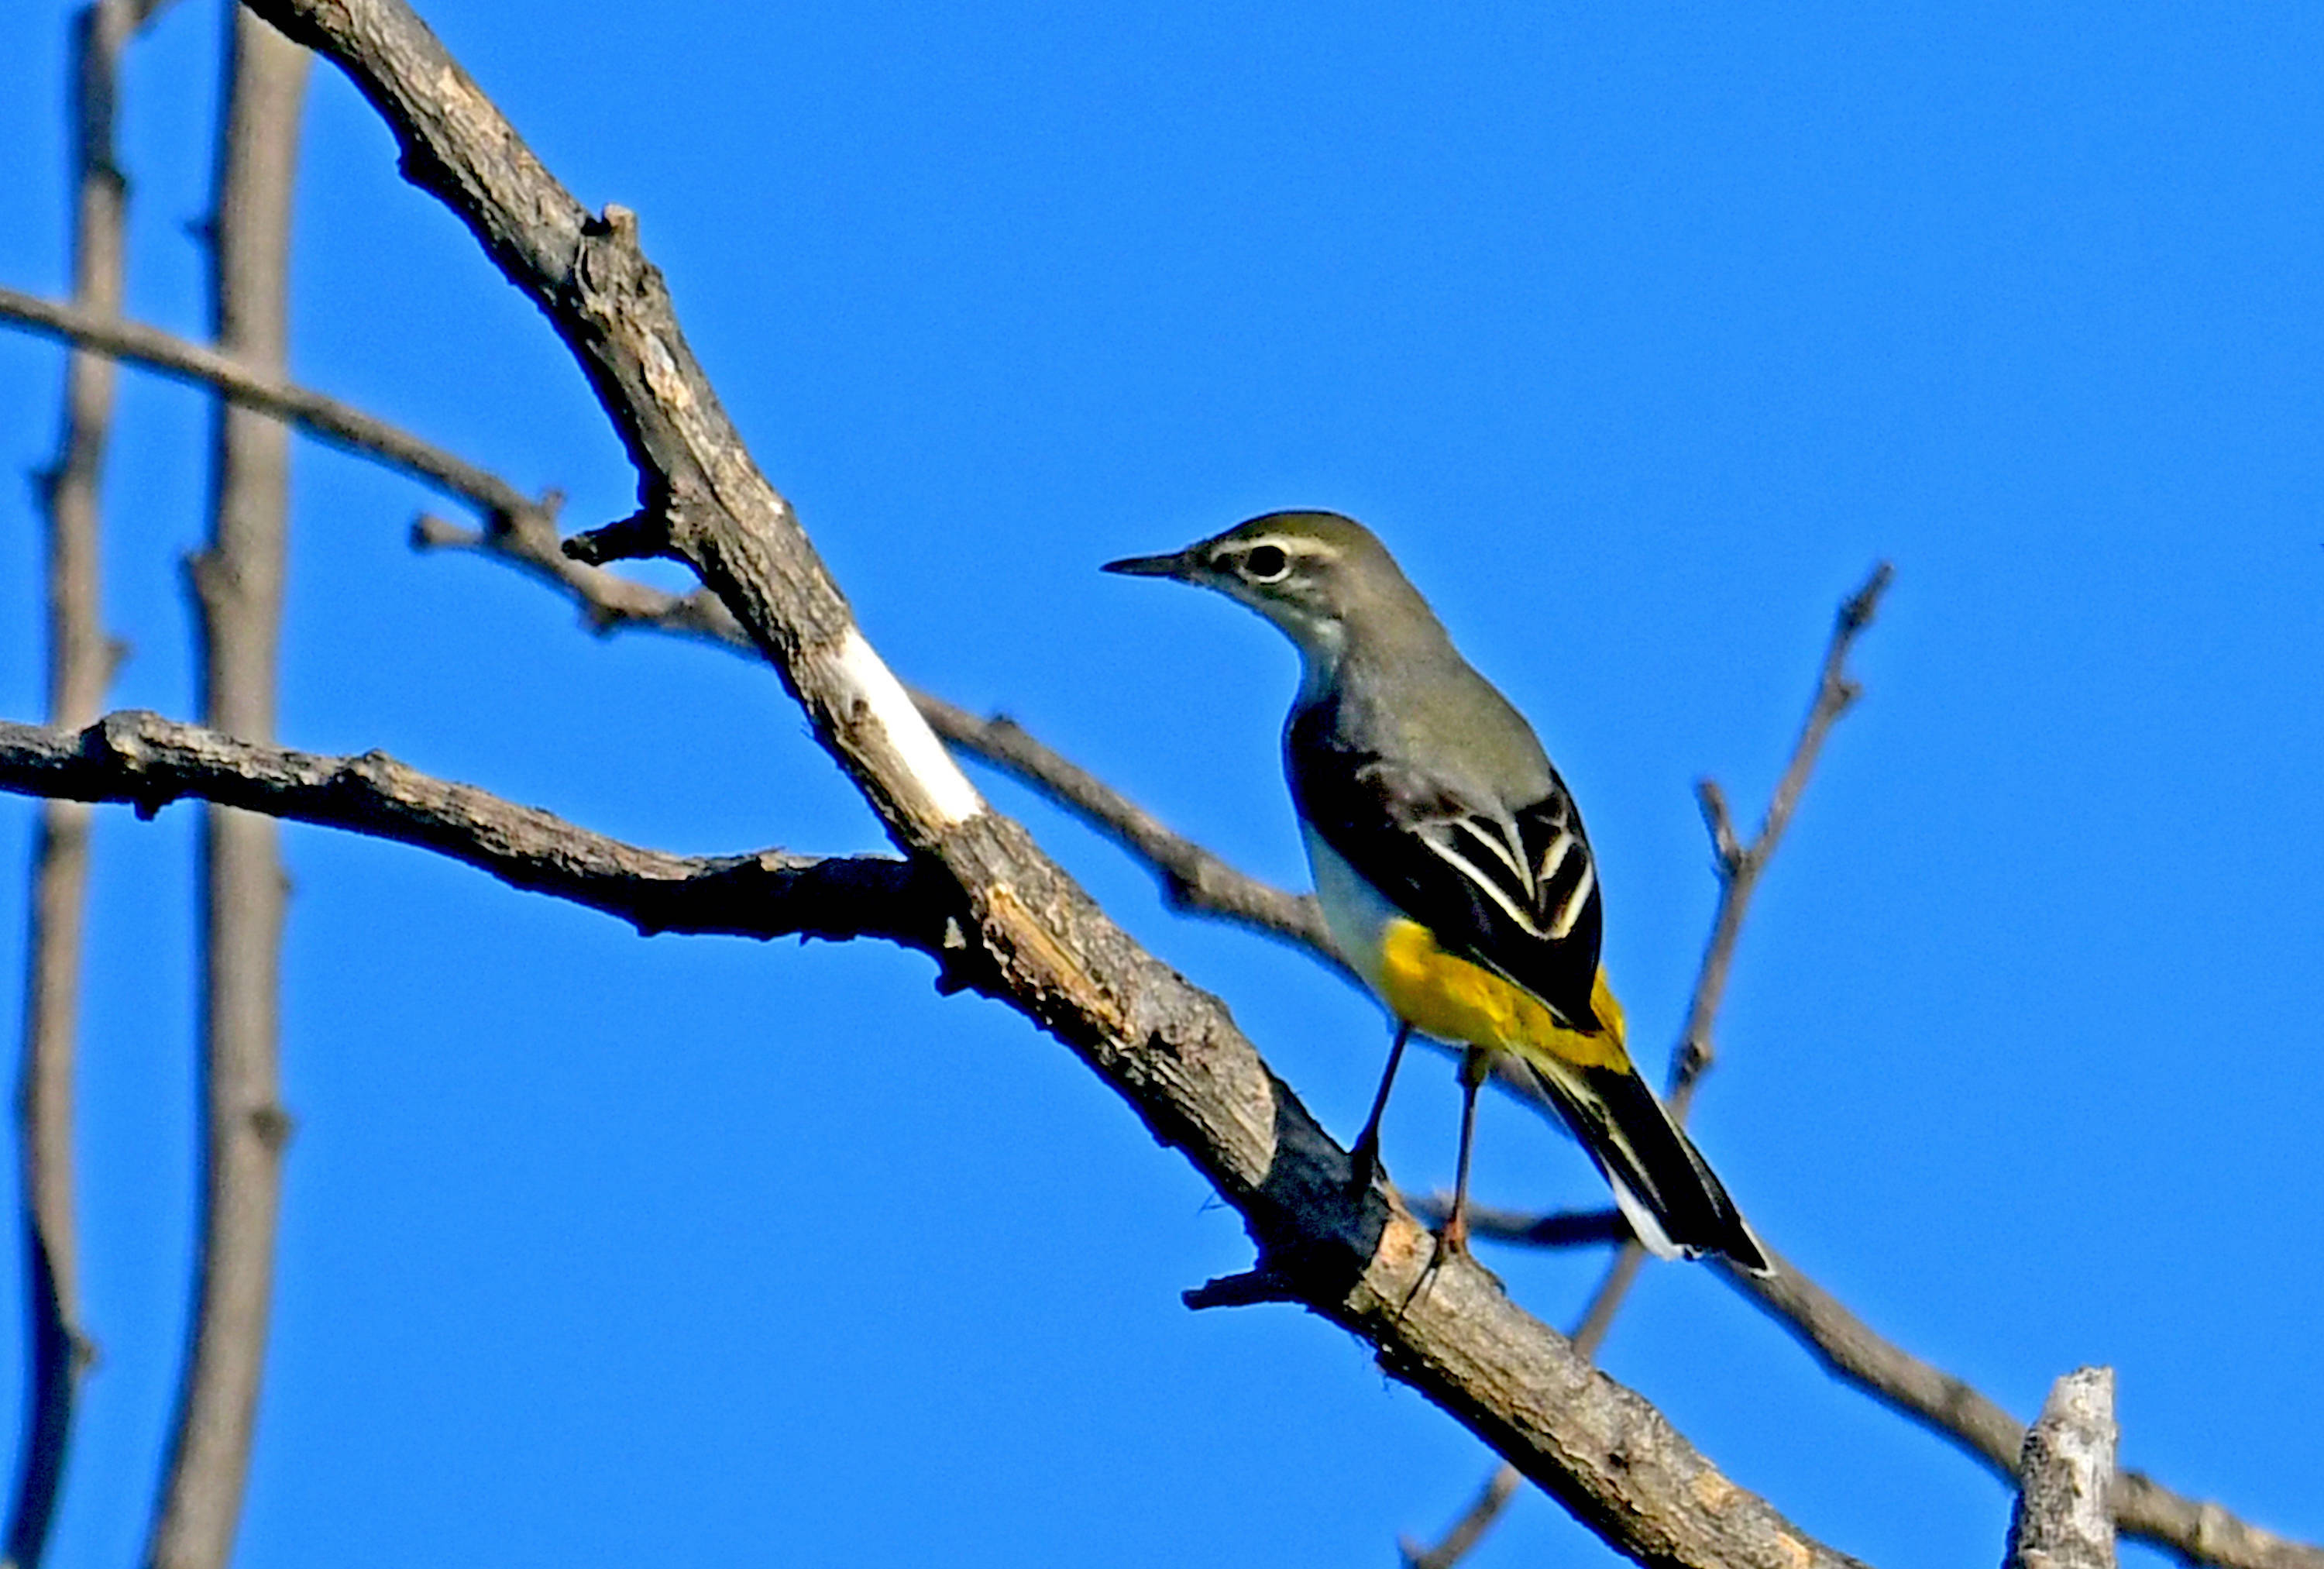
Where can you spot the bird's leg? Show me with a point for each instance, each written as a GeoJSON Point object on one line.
{"type": "Point", "coordinates": [1453, 1237]}
{"type": "Point", "coordinates": [1363, 1159]}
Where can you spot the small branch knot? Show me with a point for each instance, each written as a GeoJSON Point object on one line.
{"type": "Point", "coordinates": [1248, 1289]}
{"type": "Point", "coordinates": [273, 1126]}
{"type": "Point", "coordinates": [643, 533]}
{"type": "Point", "coordinates": [618, 223]}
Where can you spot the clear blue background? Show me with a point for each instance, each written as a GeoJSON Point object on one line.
{"type": "Point", "coordinates": [1640, 338]}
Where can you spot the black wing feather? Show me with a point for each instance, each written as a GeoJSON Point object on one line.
{"type": "Point", "coordinates": [1515, 893]}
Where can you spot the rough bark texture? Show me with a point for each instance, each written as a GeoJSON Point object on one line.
{"type": "Point", "coordinates": [146, 762]}
{"type": "Point", "coordinates": [455, 144]}
{"type": "Point", "coordinates": [237, 583]}
{"type": "Point", "coordinates": [2064, 1477]}
{"type": "Point", "coordinates": [1170, 1050]}
{"type": "Point", "coordinates": [521, 534]}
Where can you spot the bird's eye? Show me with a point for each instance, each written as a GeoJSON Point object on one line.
{"type": "Point", "coordinates": [1265, 563]}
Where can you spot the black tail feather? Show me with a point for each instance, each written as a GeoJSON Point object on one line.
{"type": "Point", "coordinates": [1636, 1144]}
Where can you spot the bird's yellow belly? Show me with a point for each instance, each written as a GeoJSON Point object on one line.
{"type": "Point", "coordinates": [1453, 999]}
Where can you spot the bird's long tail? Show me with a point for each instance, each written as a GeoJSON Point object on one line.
{"type": "Point", "coordinates": [1664, 1189]}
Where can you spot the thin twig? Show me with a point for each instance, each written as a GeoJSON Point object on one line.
{"type": "Point", "coordinates": [1193, 879]}
{"type": "Point", "coordinates": [1470, 1528]}
{"type": "Point", "coordinates": [237, 590]}
{"type": "Point", "coordinates": [1742, 865]}
{"type": "Point", "coordinates": [268, 393]}
{"type": "Point", "coordinates": [1740, 868]}
{"type": "Point", "coordinates": [80, 666]}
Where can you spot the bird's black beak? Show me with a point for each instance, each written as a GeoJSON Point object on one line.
{"type": "Point", "coordinates": [1171, 566]}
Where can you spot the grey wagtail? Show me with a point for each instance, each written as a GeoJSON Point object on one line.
{"type": "Point", "coordinates": [1452, 865]}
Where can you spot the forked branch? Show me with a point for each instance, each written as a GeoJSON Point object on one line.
{"type": "Point", "coordinates": [145, 761]}
{"type": "Point", "coordinates": [1852, 1351]}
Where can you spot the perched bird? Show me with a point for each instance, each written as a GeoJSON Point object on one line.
{"type": "Point", "coordinates": [1452, 865]}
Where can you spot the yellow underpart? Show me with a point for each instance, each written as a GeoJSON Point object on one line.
{"type": "Point", "coordinates": [1453, 999]}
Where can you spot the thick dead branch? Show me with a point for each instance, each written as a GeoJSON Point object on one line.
{"type": "Point", "coordinates": [80, 665]}
{"type": "Point", "coordinates": [237, 590]}
{"type": "Point", "coordinates": [145, 761]}
{"type": "Point", "coordinates": [2203, 1532]}
{"type": "Point", "coordinates": [2064, 1476]}
{"type": "Point", "coordinates": [523, 533]}
{"type": "Point", "coordinates": [2183, 1523]}
{"type": "Point", "coordinates": [1462, 1334]}
{"type": "Point", "coordinates": [1193, 879]}
{"type": "Point", "coordinates": [1167, 1049]}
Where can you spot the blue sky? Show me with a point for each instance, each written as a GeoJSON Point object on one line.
{"type": "Point", "coordinates": [1640, 336]}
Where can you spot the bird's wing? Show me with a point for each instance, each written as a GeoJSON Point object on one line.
{"type": "Point", "coordinates": [1513, 891]}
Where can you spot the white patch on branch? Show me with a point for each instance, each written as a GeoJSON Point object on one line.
{"type": "Point", "coordinates": [948, 790]}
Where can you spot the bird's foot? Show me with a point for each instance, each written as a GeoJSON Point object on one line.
{"type": "Point", "coordinates": [1452, 1241]}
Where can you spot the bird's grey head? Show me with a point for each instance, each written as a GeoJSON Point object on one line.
{"type": "Point", "coordinates": [1316, 575]}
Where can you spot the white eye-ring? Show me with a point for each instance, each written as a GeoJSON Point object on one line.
{"type": "Point", "coordinates": [1266, 564]}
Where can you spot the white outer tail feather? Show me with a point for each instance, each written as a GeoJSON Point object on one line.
{"type": "Point", "coordinates": [1643, 1224]}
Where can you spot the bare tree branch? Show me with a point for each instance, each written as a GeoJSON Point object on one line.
{"type": "Point", "coordinates": [523, 533]}
{"type": "Point", "coordinates": [1852, 1351]}
{"type": "Point", "coordinates": [1470, 1529]}
{"type": "Point", "coordinates": [2061, 1520]}
{"type": "Point", "coordinates": [237, 590]}
{"type": "Point", "coordinates": [1192, 877]}
{"type": "Point", "coordinates": [146, 762]}
{"type": "Point", "coordinates": [253, 387]}
{"type": "Point", "coordinates": [1168, 1049]}
{"type": "Point", "coordinates": [1518, 1377]}
{"type": "Point", "coordinates": [2201, 1530]}
{"type": "Point", "coordinates": [2201, 1533]}
{"type": "Point", "coordinates": [80, 665]}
